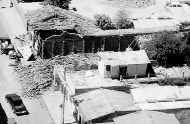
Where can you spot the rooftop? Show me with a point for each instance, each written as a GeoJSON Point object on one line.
{"type": "Point", "coordinates": [102, 102]}
{"type": "Point", "coordinates": [124, 58]}
{"type": "Point", "coordinates": [147, 117]}
{"type": "Point", "coordinates": [158, 93]}
{"type": "Point", "coordinates": [136, 31]}
{"type": "Point", "coordinates": [90, 79]}
{"type": "Point", "coordinates": [49, 17]}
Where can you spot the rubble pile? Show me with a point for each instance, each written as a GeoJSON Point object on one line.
{"type": "Point", "coordinates": [50, 17]}
{"type": "Point", "coordinates": [38, 76]}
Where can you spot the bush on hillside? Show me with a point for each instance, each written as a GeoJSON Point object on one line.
{"type": "Point", "coordinates": [186, 51]}
{"type": "Point", "coordinates": [104, 22]}
{"type": "Point", "coordinates": [64, 4]}
{"type": "Point", "coordinates": [123, 21]}
{"type": "Point", "coordinates": [169, 49]}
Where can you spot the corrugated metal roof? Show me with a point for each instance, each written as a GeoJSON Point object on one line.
{"type": "Point", "coordinates": [101, 102]}
{"type": "Point", "coordinates": [147, 117]}
{"type": "Point", "coordinates": [124, 58]}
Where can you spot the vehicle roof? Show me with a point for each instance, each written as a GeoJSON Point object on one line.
{"type": "Point", "coordinates": [13, 97]}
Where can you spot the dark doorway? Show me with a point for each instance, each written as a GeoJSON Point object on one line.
{"type": "Point", "coordinates": [123, 71]}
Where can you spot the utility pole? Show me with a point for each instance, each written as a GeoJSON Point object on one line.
{"type": "Point", "coordinates": [63, 104]}
{"type": "Point", "coordinates": [63, 90]}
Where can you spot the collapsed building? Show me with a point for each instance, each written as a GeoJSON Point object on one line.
{"type": "Point", "coordinates": [49, 43]}
{"type": "Point", "coordinates": [79, 34]}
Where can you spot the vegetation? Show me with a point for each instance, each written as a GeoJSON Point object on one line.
{"type": "Point", "coordinates": [104, 22]}
{"type": "Point", "coordinates": [186, 51]}
{"type": "Point", "coordinates": [123, 21]}
{"type": "Point", "coordinates": [64, 4]}
{"type": "Point", "coordinates": [170, 49]}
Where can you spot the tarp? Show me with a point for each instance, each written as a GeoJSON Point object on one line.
{"type": "Point", "coordinates": [12, 22]}
{"type": "Point", "coordinates": [147, 117]}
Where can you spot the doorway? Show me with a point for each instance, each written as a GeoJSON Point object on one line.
{"type": "Point", "coordinates": [123, 71]}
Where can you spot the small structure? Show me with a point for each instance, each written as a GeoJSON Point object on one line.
{"type": "Point", "coordinates": [147, 117]}
{"type": "Point", "coordinates": [126, 64]}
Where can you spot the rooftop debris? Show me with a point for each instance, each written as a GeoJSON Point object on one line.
{"type": "Point", "coordinates": [50, 17]}
{"type": "Point", "coordinates": [38, 76]}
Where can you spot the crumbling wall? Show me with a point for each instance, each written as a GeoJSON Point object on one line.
{"type": "Point", "coordinates": [63, 44]}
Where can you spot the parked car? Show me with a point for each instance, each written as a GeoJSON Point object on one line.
{"type": "Point", "coordinates": [17, 105]}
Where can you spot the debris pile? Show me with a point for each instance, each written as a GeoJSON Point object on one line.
{"type": "Point", "coordinates": [50, 17]}
{"type": "Point", "coordinates": [38, 76]}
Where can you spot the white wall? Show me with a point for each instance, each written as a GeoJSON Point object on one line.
{"type": "Point", "coordinates": [101, 69]}
{"type": "Point", "coordinates": [132, 70]}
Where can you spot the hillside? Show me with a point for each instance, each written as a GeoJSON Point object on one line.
{"type": "Point", "coordinates": [132, 3]}
{"type": "Point", "coordinates": [110, 7]}
{"type": "Point", "coordinates": [50, 17]}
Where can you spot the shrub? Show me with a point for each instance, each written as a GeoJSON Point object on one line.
{"type": "Point", "coordinates": [104, 22]}
{"type": "Point", "coordinates": [64, 4]}
{"type": "Point", "coordinates": [186, 51]}
{"type": "Point", "coordinates": [169, 49]}
{"type": "Point", "coordinates": [123, 21]}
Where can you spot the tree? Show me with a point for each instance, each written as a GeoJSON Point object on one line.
{"type": "Point", "coordinates": [64, 4]}
{"type": "Point", "coordinates": [104, 22]}
{"type": "Point", "coordinates": [123, 21]}
{"type": "Point", "coordinates": [169, 49]}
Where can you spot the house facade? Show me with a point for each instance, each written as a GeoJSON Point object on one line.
{"type": "Point", "coordinates": [127, 64]}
